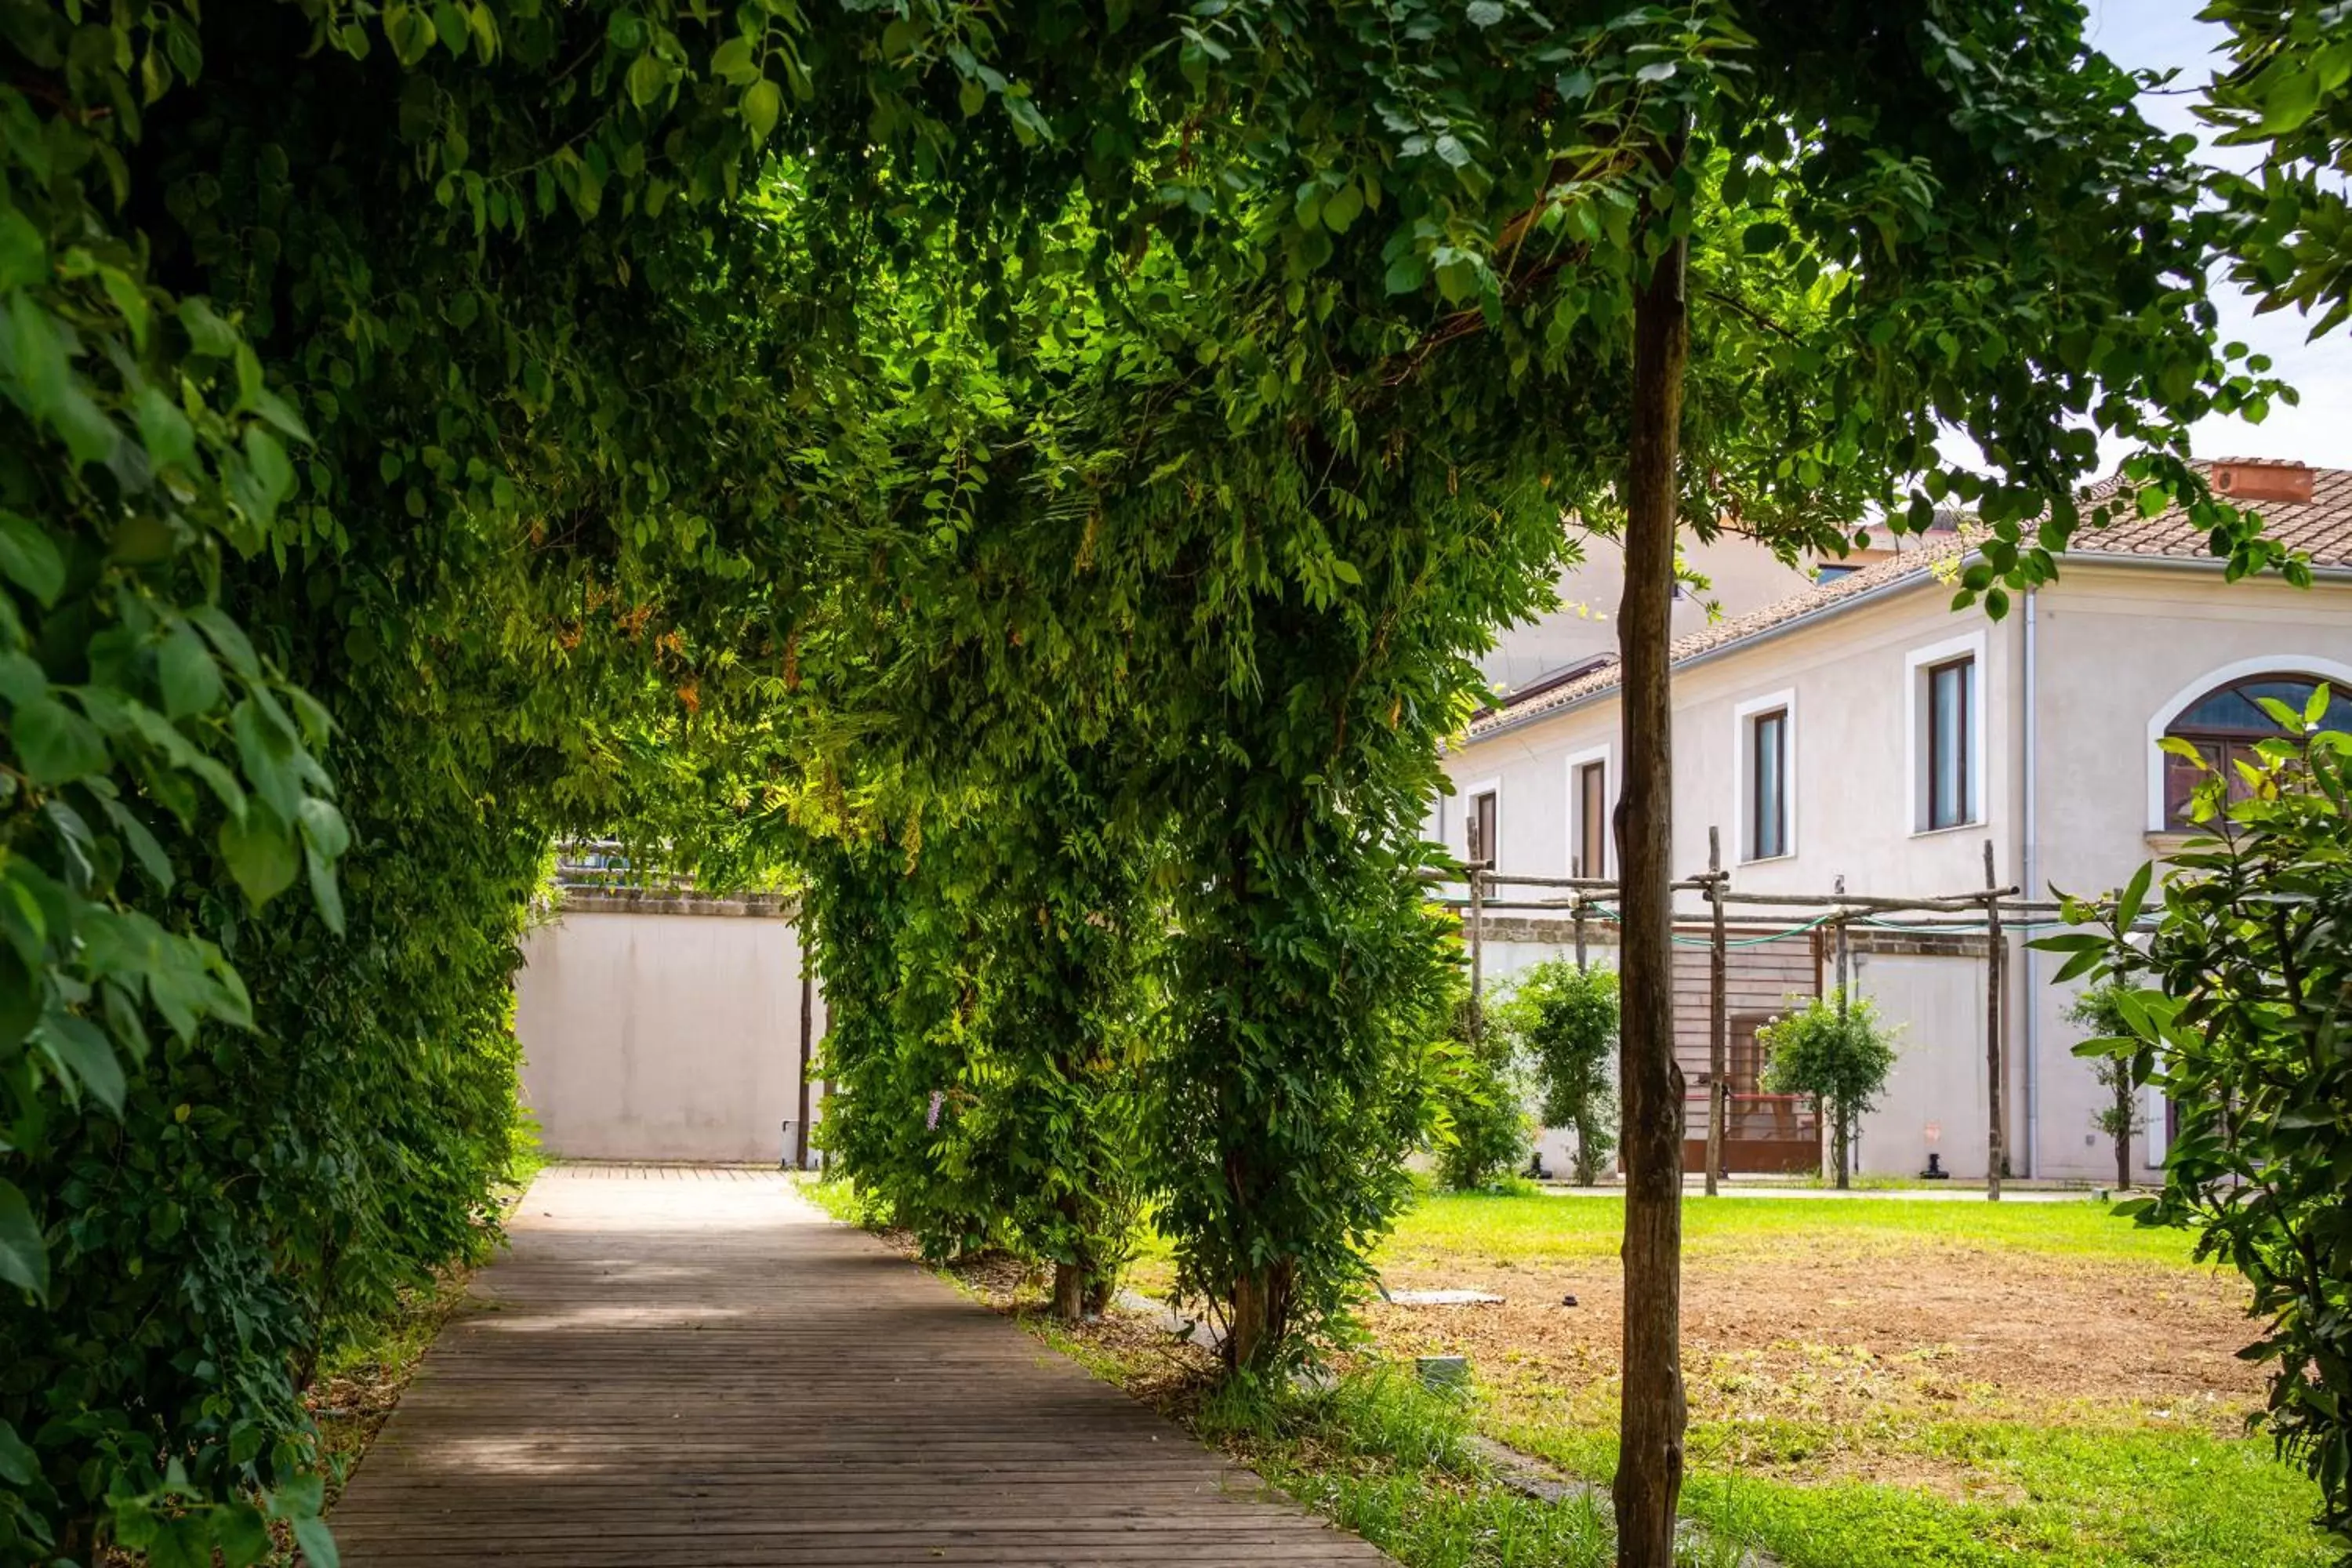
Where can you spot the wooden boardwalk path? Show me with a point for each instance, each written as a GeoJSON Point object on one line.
{"type": "Point", "coordinates": [692, 1366]}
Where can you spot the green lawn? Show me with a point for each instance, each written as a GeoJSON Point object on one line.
{"type": "Point", "coordinates": [2006, 1481]}
{"type": "Point", "coordinates": [1989, 1473]}
{"type": "Point", "coordinates": [1530, 1227]}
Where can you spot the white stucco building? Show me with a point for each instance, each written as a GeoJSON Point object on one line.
{"type": "Point", "coordinates": [1860, 728]}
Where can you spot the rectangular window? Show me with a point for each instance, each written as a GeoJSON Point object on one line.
{"type": "Point", "coordinates": [1592, 820]}
{"type": "Point", "coordinates": [1481, 829]}
{"type": "Point", "coordinates": [1768, 784]}
{"type": "Point", "coordinates": [1951, 747]}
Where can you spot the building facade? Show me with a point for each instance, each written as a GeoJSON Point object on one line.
{"type": "Point", "coordinates": [1863, 732]}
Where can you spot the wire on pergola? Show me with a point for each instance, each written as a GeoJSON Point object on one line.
{"type": "Point", "coordinates": [1994, 911]}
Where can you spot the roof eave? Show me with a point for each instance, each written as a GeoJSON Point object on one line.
{"type": "Point", "coordinates": [2179, 564]}
{"type": "Point", "coordinates": [1870, 594]}
{"type": "Point", "coordinates": [1887, 589]}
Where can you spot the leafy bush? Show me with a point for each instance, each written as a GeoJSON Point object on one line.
{"type": "Point", "coordinates": [2099, 1012]}
{"type": "Point", "coordinates": [1564, 1020]}
{"type": "Point", "coordinates": [1839, 1053]}
{"type": "Point", "coordinates": [1482, 1094]}
{"type": "Point", "coordinates": [2238, 1005]}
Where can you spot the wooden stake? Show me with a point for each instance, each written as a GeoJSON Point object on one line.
{"type": "Point", "coordinates": [1995, 953]}
{"type": "Point", "coordinates": [1653, 1409]}
{"type": "Point", "coordinates": [1478, 950]}
{"type": "Point", "coordinates": [1718, 1032]}
{"type": "Point", "coordinates": [1841, 1140]}
{"type": "Point", "coordinates": [1580, 964]}
{"type": "Point", "coordinates": [808, 1010]}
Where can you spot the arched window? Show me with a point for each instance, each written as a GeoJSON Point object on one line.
{"type": "Point", "coordinates": [2227, 722]}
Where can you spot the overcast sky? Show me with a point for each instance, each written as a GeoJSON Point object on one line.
{"type": "Point", "coordinates": [2164, 33]}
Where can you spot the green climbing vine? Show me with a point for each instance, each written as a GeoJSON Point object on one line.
{"type": "Point", "coordinates": [1041, 473]}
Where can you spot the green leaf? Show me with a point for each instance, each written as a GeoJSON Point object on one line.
{"type": "Point", "coordinates": [163, 430]}
{"type": "Point", "coordinates": [299, 1497]}
{"type": "Point", "coordinates": [29, 559]}
{"type": "Point", "coordinates": [2134, 894]}
{"type": "Point", "coordinates": [24, 254]}
{"type": "Point", "coordinates": [242, 1534]}
{"type": "Point", "coordinates": [1341, 207]}
{"type": "Point", "coordinates": [763, 100]}
{"type": "Point", "coordinates": [56, 744]}
{"type": "Point", "coordinates": [228, 640]}
{"type": "Point", "coordinates": [208, 334]}
{"type": "Point", "coordinates": [181, 1544]}
{"type": "Point", "coordinates": [2292, 96]}
{"type": "Point", "coordinates": [1484, 12]}
{"type": "Point", "coordinates": [18, 1463]}
{"type": "Point", "coordinates": [143, 846]}
{"type": "Point", "coordinates": [87, 1053]}
{"type": "Point", "coordinates": [648, 78]}
{"type": "Point", "coordinates": [317, 1543]}
{"type": "Point", "coordinates": [186, 670]}
{"type": "Point", "coordinates": [323, 828]}
{"type": "Point", "coordinates": [21, 680]}
{"type": "Point", "coordinates": [272, 472]}
{"type": "Point", "coordinates": [24, 1256]}
{"type": "Point", "coordinates": [325, 893]}
{"type": "Point", "coordinates": [1759, 238]}
{"type": "Point", "coordinates": [260, 853]}
{"type": "Point", "coordinates": [733, 62]}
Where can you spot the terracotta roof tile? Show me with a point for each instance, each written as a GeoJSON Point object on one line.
{"type": "Point", "coordinates": [2321, 529]}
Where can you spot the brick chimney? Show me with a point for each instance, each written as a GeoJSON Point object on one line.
{"type": "Point", "coordinates": [2262, 480]}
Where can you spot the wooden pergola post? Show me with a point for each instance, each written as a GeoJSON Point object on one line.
{"type": "Point", "coordinates": [1996, 953]}
{"type": "Point", "coordinates": [1719, 1033]}
{"type": "Point", "coordinates": [1478, 950]}
{"type": "Point", "coordinates": [1841, 1140]}
{"type": "Point", "coordinates": [808, 1009]}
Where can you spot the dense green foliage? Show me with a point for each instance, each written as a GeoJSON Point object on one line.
{"type": "Point", "coordinates": [1565, 1021]}
{"type": "Point", "coordinates": [325, 442]}
{"type": "Point", "coordinates": [2287, 90]}
{"type": "Point", "coordinates": [994, 1020]}
{"type": "Point", "coordinates": [1044, 475]}
{"type": "Point", "coordinates": [2238, 1007]}
{"type": "Point", "coordinates": [1839, 1052]}
{"type": "Point", "coordinates": [1482, 1100]}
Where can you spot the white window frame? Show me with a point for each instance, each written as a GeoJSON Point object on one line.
{"type": "Point", "coordinates": [1917, 716]}
{"type": "Point", "coordinates": [1470, 793]}
{"type": "Point", "coordinates": [2336, 672]}
{"type": "Point", "coordinates": [1606, 755]}
{"type": "Point", "coordinates": [1744, 768]}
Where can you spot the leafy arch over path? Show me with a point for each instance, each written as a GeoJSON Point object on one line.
{"type": "Point", "coordinates": [812, 439]}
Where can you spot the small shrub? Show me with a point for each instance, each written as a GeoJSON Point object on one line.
{"type": "Point", "coordinates": [1484, 1094]}
{"type": "Point", "coordinates": [1836, 1051]}
{"type": "Point", "coordinates": [1563, 1020]}
{"type": "Point", "coordinates": [2238, 1005]}
{"type": "Point", "coordinates": [2099, 1013]}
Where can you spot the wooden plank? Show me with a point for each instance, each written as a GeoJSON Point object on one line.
{"type": "Point", "coordinates": [677, 1366]}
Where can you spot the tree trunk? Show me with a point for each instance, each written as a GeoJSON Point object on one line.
{"type": "Point", "coordinates": [1650, 1453]}
{"type": "Point", "coordinates": [1260, 1308]}
{"type": "Point", "coordinates": [1069, 1292]}
{"type": "Point", "coordinates": [2123, 1125]}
